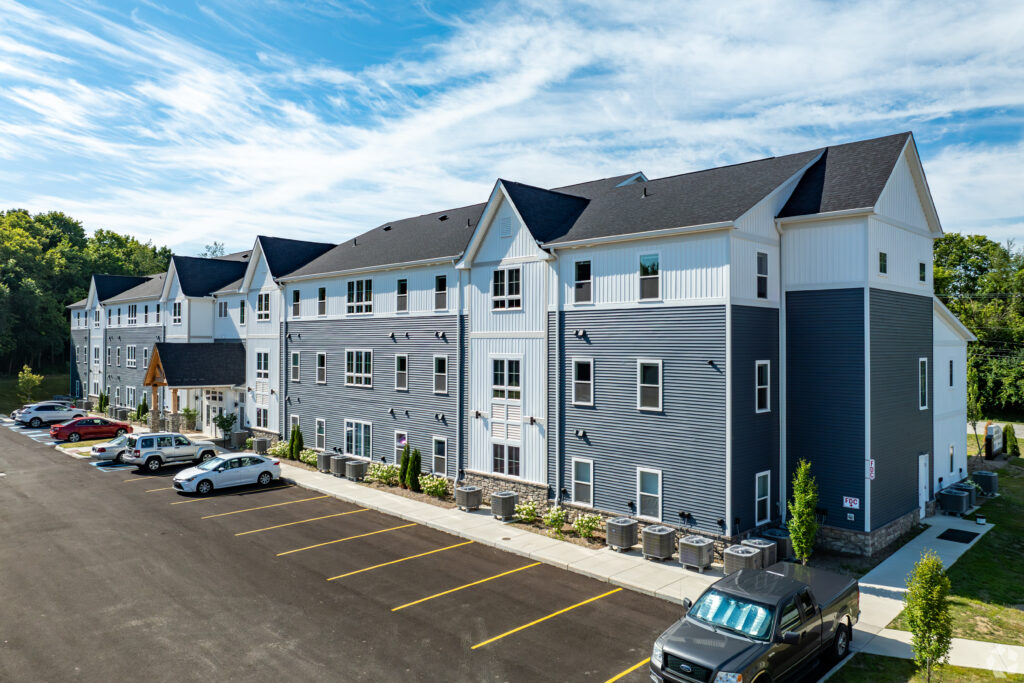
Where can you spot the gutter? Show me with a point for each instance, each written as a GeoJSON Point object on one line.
{"type": "Point", "coordinates": [666, 232]}
{"type": "Point", "coordinates": [810, 217]}
{"type": "Point", "coordinates": [370, 269]}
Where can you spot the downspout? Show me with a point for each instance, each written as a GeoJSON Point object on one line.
{"type": "Point", "coordinates": [558, 390]}
{"type": "Point", "coordinates": [463, 417]}
{"type": "Point", "coordinates": [783, 370]}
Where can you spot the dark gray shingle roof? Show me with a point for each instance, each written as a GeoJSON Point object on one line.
{"type": "Point", "coordinates": [78, 304]}
{"type": "Point", "coordinates": [285, 255]}
{"type": "Point", "coordinates": [112, 285]}
{"type": "Point", "coordinates": [150, 289]}
{"type": "Point", "coordinates": [547, 214]}
{"type": "Point", "coordinates": [213, 364]}
{"type": "Point", "coordinates": [201, 276]}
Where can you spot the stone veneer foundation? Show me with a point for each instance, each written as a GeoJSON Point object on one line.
{"type": "Point", "coordinates": [493, 483]}
{"type": "Point", "coordinates": [867, 543]}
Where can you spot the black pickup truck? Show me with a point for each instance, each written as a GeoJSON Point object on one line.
{"type": "Point", "coordinates": [759, 626]}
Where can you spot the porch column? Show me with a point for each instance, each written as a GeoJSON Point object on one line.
{"type": "Point", "coordinates": [154, 410]}
{"type": "Point", "coordinates": [174, 400]}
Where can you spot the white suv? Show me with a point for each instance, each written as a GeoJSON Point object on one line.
{"type": "Point", "coordinates": [153, 451]}
{"type": "Point", "coordinates": [44, 413]}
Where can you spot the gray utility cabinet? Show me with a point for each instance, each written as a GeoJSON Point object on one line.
{"type": "Point", "coordinates": [739, 557]}
{"type": "Point", "coordinates": [355, 470]}
{"type": "Point", "coordinates": [261, 445]}
{"type": "Point", "coordinates": [503, 505]}
{"type": "Point", "coordinates": [954, 501]}
{"type": "Point", "coordinates": [659, 542]}
{"type": "Point", "coordinates": [972, 493]}
{"type": "Point", "coordinates": [988, 481]}
{"type": "Point", "coordinates": [767, 548]}
{"type": "Point", "coordinates": [621, 533]}
{"type": "Point", "coordinates": [784, 545]}
{"type": "Point", "coordinates": [468, 497]}
{"type": "Point", "coordinates": [323, 461]}
{"type": "Point", "coordinates": [697, 552]}
{"type": "Point", "coordinates": [338, 465]}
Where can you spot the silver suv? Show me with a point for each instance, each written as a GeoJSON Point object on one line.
{"type": "Point", "coordinates": [38, 414]}
{"type": "Point", "coordinates": [153, 451]}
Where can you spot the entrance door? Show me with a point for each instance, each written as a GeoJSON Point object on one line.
{"type": "Point", "coordinates": [922, 482]}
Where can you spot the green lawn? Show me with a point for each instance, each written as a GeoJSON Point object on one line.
{"type": "Point", "coordinates": [53, 385]}
{"type": "Point", "coordinates": [988, 594]}
{"type": "Point", "coordinates": [81, 444]}
{"type": "Point", "coordinates": [863, 668]}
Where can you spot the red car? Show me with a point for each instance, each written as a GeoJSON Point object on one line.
{"type": "Point", "coordinates": [88, 428]}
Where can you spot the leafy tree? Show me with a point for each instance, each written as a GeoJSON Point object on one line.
{"type": "Point", "coordinates": [1010, 445]}
{"type": "Point", "coordinates": [224, 422]}
{"type": "Point", "coordinates": [212, 250]}
{"type": "Point", "coordinates": [413, 473]}
{"type": "Point", "coordinates": [28, 383]}
{"type": "Point", "coordinates": [927, 612]}
{"type": "Point", "coordinates": [802, 524]}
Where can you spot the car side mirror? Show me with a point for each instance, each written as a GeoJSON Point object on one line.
{"type": "Point", "coordinates": [687, 604]}
{"type": "Point", "coordinates": [788, 638]}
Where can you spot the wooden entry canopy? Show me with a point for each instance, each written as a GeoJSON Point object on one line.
{"type": "Point", "coordinates": [195, 366]}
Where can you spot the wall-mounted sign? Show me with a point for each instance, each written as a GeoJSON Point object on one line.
{"type": "Point", "coordinates": [871, 469]}
{"type": "Point", "coordinates": [851, 502]}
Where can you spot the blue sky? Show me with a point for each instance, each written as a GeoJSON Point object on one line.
{"type": "Point", "coordinates": [185, 122]}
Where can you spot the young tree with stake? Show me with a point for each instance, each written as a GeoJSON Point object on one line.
{"type": "Point", "coordinates": [802, 524]}
{"type": "Point", "coordinates": [927, 611]}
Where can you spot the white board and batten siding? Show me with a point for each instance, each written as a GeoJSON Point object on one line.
{"type": "Point", "coordinates": [228, 327]}
{"type": "Point", "coordinates": [950, 402]}
{"type": "Point", "coordinates": [825, 254]}
{"type": "Point", "coordinates": [743, 271]}
{"type": "Point", "coordinates": [263, 336]}
{"type": "Point", "coordinates": [900, 200]}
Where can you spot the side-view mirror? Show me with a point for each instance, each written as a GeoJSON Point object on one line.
{"type": "Point", "coordinates": [788, 638]}
{"type": "Point", "coordinates": [687, 604]}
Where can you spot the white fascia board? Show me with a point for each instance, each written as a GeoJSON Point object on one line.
{"type": "Point", "coordinates": [372, 269]}
{"type": "Point", "coordinates": [952, 320]}
{"type": "Point", "coordinates": [172, 274]}
{"type": "Point", "coordinates": [650, 234]}
{"type": "Point", "coordinates": [924, 193]}
{"type": "Point", "coordinates": [250, 267]}
{"type": "Point", "coordinates": [635, 178]}
{"type": "Point", "coordinates": [828, 215]}
{"type": "Point", "coordinates": [481, 227]}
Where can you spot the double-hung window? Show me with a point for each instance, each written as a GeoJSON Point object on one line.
{"type": "Point", "coordinates": [506, 289]}
{"type": "Point", "coordinates": [241, 312]}
{"type": "Point", "coordinates": [648, 384]}
{"type": "Point", "coordinates": [117, 356]}
{"type": "Point", "coordinates": [762, 275]}
{"type": "Point", "coordinates": [650, 277]}
{"type": "Point", "coordinates": [293, 423]}
{"type": "Point", "coordinates": [145, 356]}
{"type": "Point", "coordinates": [110, 315]}
{"type": "Point", "coordinates": [321, 434]}
{"type": "Point", "coordinates": [321, 368]}
{"type": "Point", "coordinates": [262, 418]}
{"type": "Point", "coordinates": [582, 481]}
{"type": "Point", "coordinates": [262, 365]}
{"type": "Point", "coordinates": [883, 263]}
{"type": "Point", "coordinates": [263, 306]}
{"type": "Point", "coordinates": [359, 368]}
{"type": "Point", "coordinates": [402, 295]}
{"type": "Point", "coordinates": [110, 352]}
{"type": "Point", "coordinates": [583, 292]}
{"type": "Point", "coordinates": [130, 357]}
{"type": "Point", "coordinates": [321, 301]}
{"type": "Point", "coordinates": [440, 293]}
{"type": "Point", "coordinates": [922, 383]}
{"type": "Point", "coordinates": [133, 314]}
{"type": "Point", "coordinates": [506, 415]}
{"type": "Point", "coordinates": [117, 396]}
{"type": "Point", "coordinates": [222, 309]}
{"type": "Point", "coordinates": [295, 366]}
{"type": "Point", "coordinates": [505, 459]}
{"type": "Point", "coordinates": [176, 313]}
{"type": "Point", "coordinates": [505, 379]}
{"type": "Point", "coordinates": [96, 318]}
{"type": "Point", "coordinates": [358, 438]}
{"type": "Point", "coordinates": [158, 314]}
{"type": "Point", "coordinates": [360, 296]}
{"type": "Point", "coordinates": [648, 493]}
{"type": "Point", "coordinates": [440, 374]}
{"type": "Point", "coordinates": [145, 315]}
{"type": "Point", "coordinates": [96, 355]}
{"type": "Point", "coordinates": [583, 381]}
{"type": "Point", "coordinates": [118, 316]}
{"type": "Point", "coordinates": [439, 463]}
{"type": "Point", "coordinates": [762, 487]}
{"type": "Point", "coordinates": [401, 372]}
{"type": "Point", "coordinates": [296, 303]}
{"type": "Point", "coordinates": [401, 441]}
{"type": "Point", "coordinates": [762, 381]}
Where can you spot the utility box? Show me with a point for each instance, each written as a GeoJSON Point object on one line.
{"type": "Point", "coordinates": [468, 497]}
{"type": "Point", "coordinates": [355, 470]}
{"type": "Point", "coordinates": [621, 533]}
{"type": "Point", "coordinates": [323, 462]}
{"type": "Point", "coordinates": [993, 441]}
{"type": "Point", "coordinates": [766, 546]}
{"type": "Point", "coordinates": [659, 542]}
{"type": "Point", "coordinates": [784, 545]}
{"type": "Point", "coordinates": [737, 557]}
{"type": "Point", "coordinates": [338, 465]}
{"type": "Point", "coordinates": [988, 481]}
{"type": "Point", "coordinates": [261, 445]}
{"type": "Point", "coordinates": [697, 552]}
{"type": "Point", "coordinates": [503, 505]}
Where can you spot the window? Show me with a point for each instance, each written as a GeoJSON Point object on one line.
{"type": "Point", "coordinates": [176, 313]}
{"type": "Point", "coordinates": [650, 277]}
{"type": "Point", "coordinates": [321, 435]}
{"type": "Point", "coordinates": [790, 619]}
{"type": "Point", "coordinates": [129, 396]}
{"type": "Point", "coordinates": [402, 294]}
{"type": "Point", "coordinates": [145, 315]}
{"type": "Point", "coordinates": [505, 379]}
{"type": "Point", "coordinates": [951, 373]}
{"type": "Point", "coordinates": [762, 275]}
{"type": "Point", "coordinates": [401, 372]}
{"type": "Point", "coordinates": [505, 290]}
{"type": "Point", "coordinates": [293, 423]}
{"type": "Point", "coordinates": [158, 314]}
{"type": "Point", "coordinates": [222, 309]}
{"type": "Point", "coordinates": [321, 301]}
{"type": "Point", "coordinates": [321, 368]}
{"type": "Point", "coordinates": [295, 366]}
{"type": "Point", "coordinates": [440, 374]}
{"type": "Point", "coordinates": [951, 453]}
{"type": "Point", "coordinates": [95, 388]}
{"type": "Point", "coordinates": [96, 318]}
{"type": "Point", "coordinates": [583, 382]}
{"type": "Point", "coordinates": [262, 364]}
{"type": "Point", "coordinates": [762, 381]}
{"type": "Point", "coordinates": [439, 463]}
{"type": "Point", "coordinates": [922, 272]}
{"type": "Point", "coordinates": [296, 303]}
{"type": "Point", "coordinates": [110, 313]}
{"type": "Point", "coordinates": [762, 486]}
{"type": "Point", "coordinates": [78, 389]}
{"type": "Point", "coordinates": [401, 439]}
{"type": "Point", "coordinates": [117, 356]}
{"type": "Point", "coordinates": [505, 459]}
{"type": "Point", "coordinates": [241, 312]}
{"type": "Point", "coordinates": [583, 292]}
{"type": "Point", "coordinates": [359, 368]}
{"type": "Point", "coordinates": [883, 263]}
{"type": "Point", "coordinates": [109, 352]}
{"type": "Point", "coordinates": [357, 438]}
{"type": "Point", "coordinates": [922, 383]}
{"type": "Point", "coordinates": [145, 356]}
{"type": "Point", "coordinates": [118, 316]}
{"type": "Point", "coordinates": [360, 296]}
{"type": "Point", "coordinates": [96, 355]}
{"type": "Point", "coordinates": [648, 491]}
{"type": "Point", "coordinates": [130, 357]}
{"type": "Point", "coordinates": [648, 388]}
{"type": "Point", "coordinates": [440, 293]}
{"type": "Point", "coordinates": [263, 307]}
{"type": "Point", "coordinates": [262, 418]}
{"type": "Point", "coordinates": [582, 481]}
{"type": "Point", "coordinates": [117, 396]}
{"type": "Point", "coordinates": [133, 313]}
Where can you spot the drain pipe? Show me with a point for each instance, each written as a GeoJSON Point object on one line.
{"type": "Point", "coordinates": [460, 336]}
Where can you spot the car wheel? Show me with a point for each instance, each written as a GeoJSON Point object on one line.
{"type": "Point", "coordinates": [204, 487]}
{"type": "Point", "coordinates": [841, 643]}
{"type": "Point", "coordinates": [116, 459]}
{"type": "Point", "coordinates": [119, 432]}
{"type": "Point", "coordinates": [74, 437]}
{"type": "Point", "coordinates": [35, 422]}
{"type": "Point", "coordinates": [265, 478]}
{"type": "Point", "coordinates": [153, 464]}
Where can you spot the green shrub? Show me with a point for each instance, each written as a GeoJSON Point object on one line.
{"type": "Point", "coordinates": [308, 456]}
{"type": "Point", "coordinates": [279, 449]}
{"type": "Point", "coordinates": [190, 416]}
{"type": "Point", "coordinates": [1010, 445]}
{"type": "Point", "coordinates": [554, 519]}
{"type": "Point", "coordinates": [28, 384]}
{"type": "Point", "coordinates": [143, 409]}
{"type": "Point", "coordinates": [927, 612]}
{"type": "Point", "coordinates": [527, 512]}
{"type": "Point", "coordinates": [403, 469]}
{"type": "Point", "coordinates": [248, 444]}
{"type": "Point", "coordinates": [586, 524]}
{"type": "Point", "coordinates": [434, 485]}
{"type": "Point", "coordinates": [102, 401]}
{"type": "Point", "coordinates": [133, 416]}
{"type": "Point", "coordinates": [415, 467]}
{"type": "Point", "coordinates": [297, 445]}
{"type": "Point", "coordinates": [382, 473]}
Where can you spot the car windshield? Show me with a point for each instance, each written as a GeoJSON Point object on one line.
{"type": "Point", "coordinates": [734, 614]}
{"type": "Point", "coordinates": [119, 441]}
{"type": "Point", "coordinates": [212, 463]}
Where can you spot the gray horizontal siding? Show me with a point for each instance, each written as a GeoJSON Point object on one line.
{"type": "Point", "coordinates": [334, 402]}
{"type": "Point", "coordinates": [686, 440]}
{"type": "Point", "coordinates": [123, 376]}
{"type": "Point", "coordinates": [80, 364]}
{"type": "Point", "coordinates": [901, 333]}
{"type": "Point", "coordinates": [825, 395]}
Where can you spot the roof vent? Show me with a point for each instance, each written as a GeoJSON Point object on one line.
{"type": "Point", "coordinates": [386, 228]}
{"type": "Point", "coordinates": [443, 217]}
{"type": "Point", "coordinates": [645, 192]}
{"type": "Point", "coordinates": [353, 241]}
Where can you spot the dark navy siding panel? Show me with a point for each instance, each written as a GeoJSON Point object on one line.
{"type": "Point", "coordinates": [686, 441]}
{"type": "Point", "coordinates": [755, 436]}
{"type": "Point", "coordinates": [901, 333]}
{"type": "Point", "coordinates": [80, 364]}
{"type": "Point", "coordinates": [825, 395]}
{"type": "Point", "coordinates": [141, 337]}
{"type": "Point", "coordinates": [414, 410]}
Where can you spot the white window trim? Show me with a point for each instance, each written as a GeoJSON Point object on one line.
{"type": "Point", "coordinates": [434, 374]}
{"type": "Point", "coordinates": [145, 356]}
{"type": "Point", "coordinates": [505, 297]}
{"type": "Point", "coordinates": [398, 295]}
{"type": "Point", "coordinates": [296, 303]}
{"type": "Point", "coordinates": [323, 354]}
{"type": "Point", "coordinates": [661, 490]}
{"type": "Point", "coordinates": [346, 423]}
{"type": "Point", "coordinates": [320, 301]}
{"type": "Point", "coordinates": [398, 455]}
{"type": "Point", "coordinates": [920, 265]}
{"type": "Point", "coordinates": [661, 292]}
{"type": "Point", "coordinates": [923, 406]}
{"type": "Point", "coordinates": [294, 366]}
{"type": "Point", "coordinates": [370, 375]}
{"type": "Point", "coordinates": [316, 434]}
{"type": "Point", "coordinates": [768, 497]}
{"type": "Point", "coordinates": [878, 263]}
{"type": "Point", "coordinates": [590, 361]}
{"type": "Point", "coordinates": [433, 443]}
{"type": "Point", "coordinates": [590, 262]}
{"type": "Point", "coordinates": [445, 292]}
{"type": "Point", "coordinates": [590, 462]}
{"type": "Point", "coordinates": [241, 312]}
{"type": "Point", "coordinates": [505, 387]}
{"type": "Point", "coordinates": [265, 370]}
{"type": "Point", "coordinates": [364, 302]}
{"type": "Point", "coordinates": [758, 274]}
{"type": "Point", "coordinates": [176, 313]}
{"type": "Point", "coordinates": [661, 385]}
{"type": "Point", "coordinates": [293, 422]}
{"type": "Point", "coordinates": [262, 314]}
{"type": "Point", "coordinates": [406, 387]}
{"type": "Point", "coordinates": [130, 356]}
{"type": "Point", "coordinates": [757, 387]}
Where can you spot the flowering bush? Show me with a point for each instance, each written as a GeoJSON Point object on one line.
{"type": "Point", "coordinates": [279, 450]}
{"type": "Point", "coordinates": [527, 512]}
{"type": "Point", "coordinates": [555, 518]}
{"type": "Point", "coordinates": [308, 456]}
{"type": "Point", "coordinates": [382, 474]}
{"type": "Point", "coordinates": [586, 524]}
{"type": "Point", "coordinates": [433, 485]}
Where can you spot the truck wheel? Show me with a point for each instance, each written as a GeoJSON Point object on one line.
{"type": "Point", "coordinates": [204, 487]}
{"type": "Point", "coordinates": [841, 643]}
{"type": "Point", "coordinates": [153, 464]}
{"type": "Point", "coordinates": [205, 455]}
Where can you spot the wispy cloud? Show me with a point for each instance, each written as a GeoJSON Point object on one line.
{"type": "Point", "coordinates": [171, 139]}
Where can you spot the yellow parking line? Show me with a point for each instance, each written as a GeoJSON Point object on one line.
{"type": "Point", "coordinates": [264, 507]}
{"type": "Point", "coordinates": [468, 585]}
{"type": "Point", "coordinates": [197, 500]}
{"type": "Point", "coordinates": [166, 488]}
{"type": "Point", "coordinates": [550, 616]}
{"type": "Point", "coordinates": [628, 671]}
{"type": "Point", "coordinates": [403, 559]}
{"type": "Point", "coordinates": [314, 519]}
{"type": "Point", "coordinates": [138, 479]}
{"type": "Point", "coordinates": [347, 538]}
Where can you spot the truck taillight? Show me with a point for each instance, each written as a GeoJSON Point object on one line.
{"type": "Point", "coordinates": [136, 452]}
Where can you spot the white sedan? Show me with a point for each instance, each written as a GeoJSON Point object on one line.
{"type": "Point", "coordinates": [226, 471]}
{"type": "Point", "coordinates": [110, 450]}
